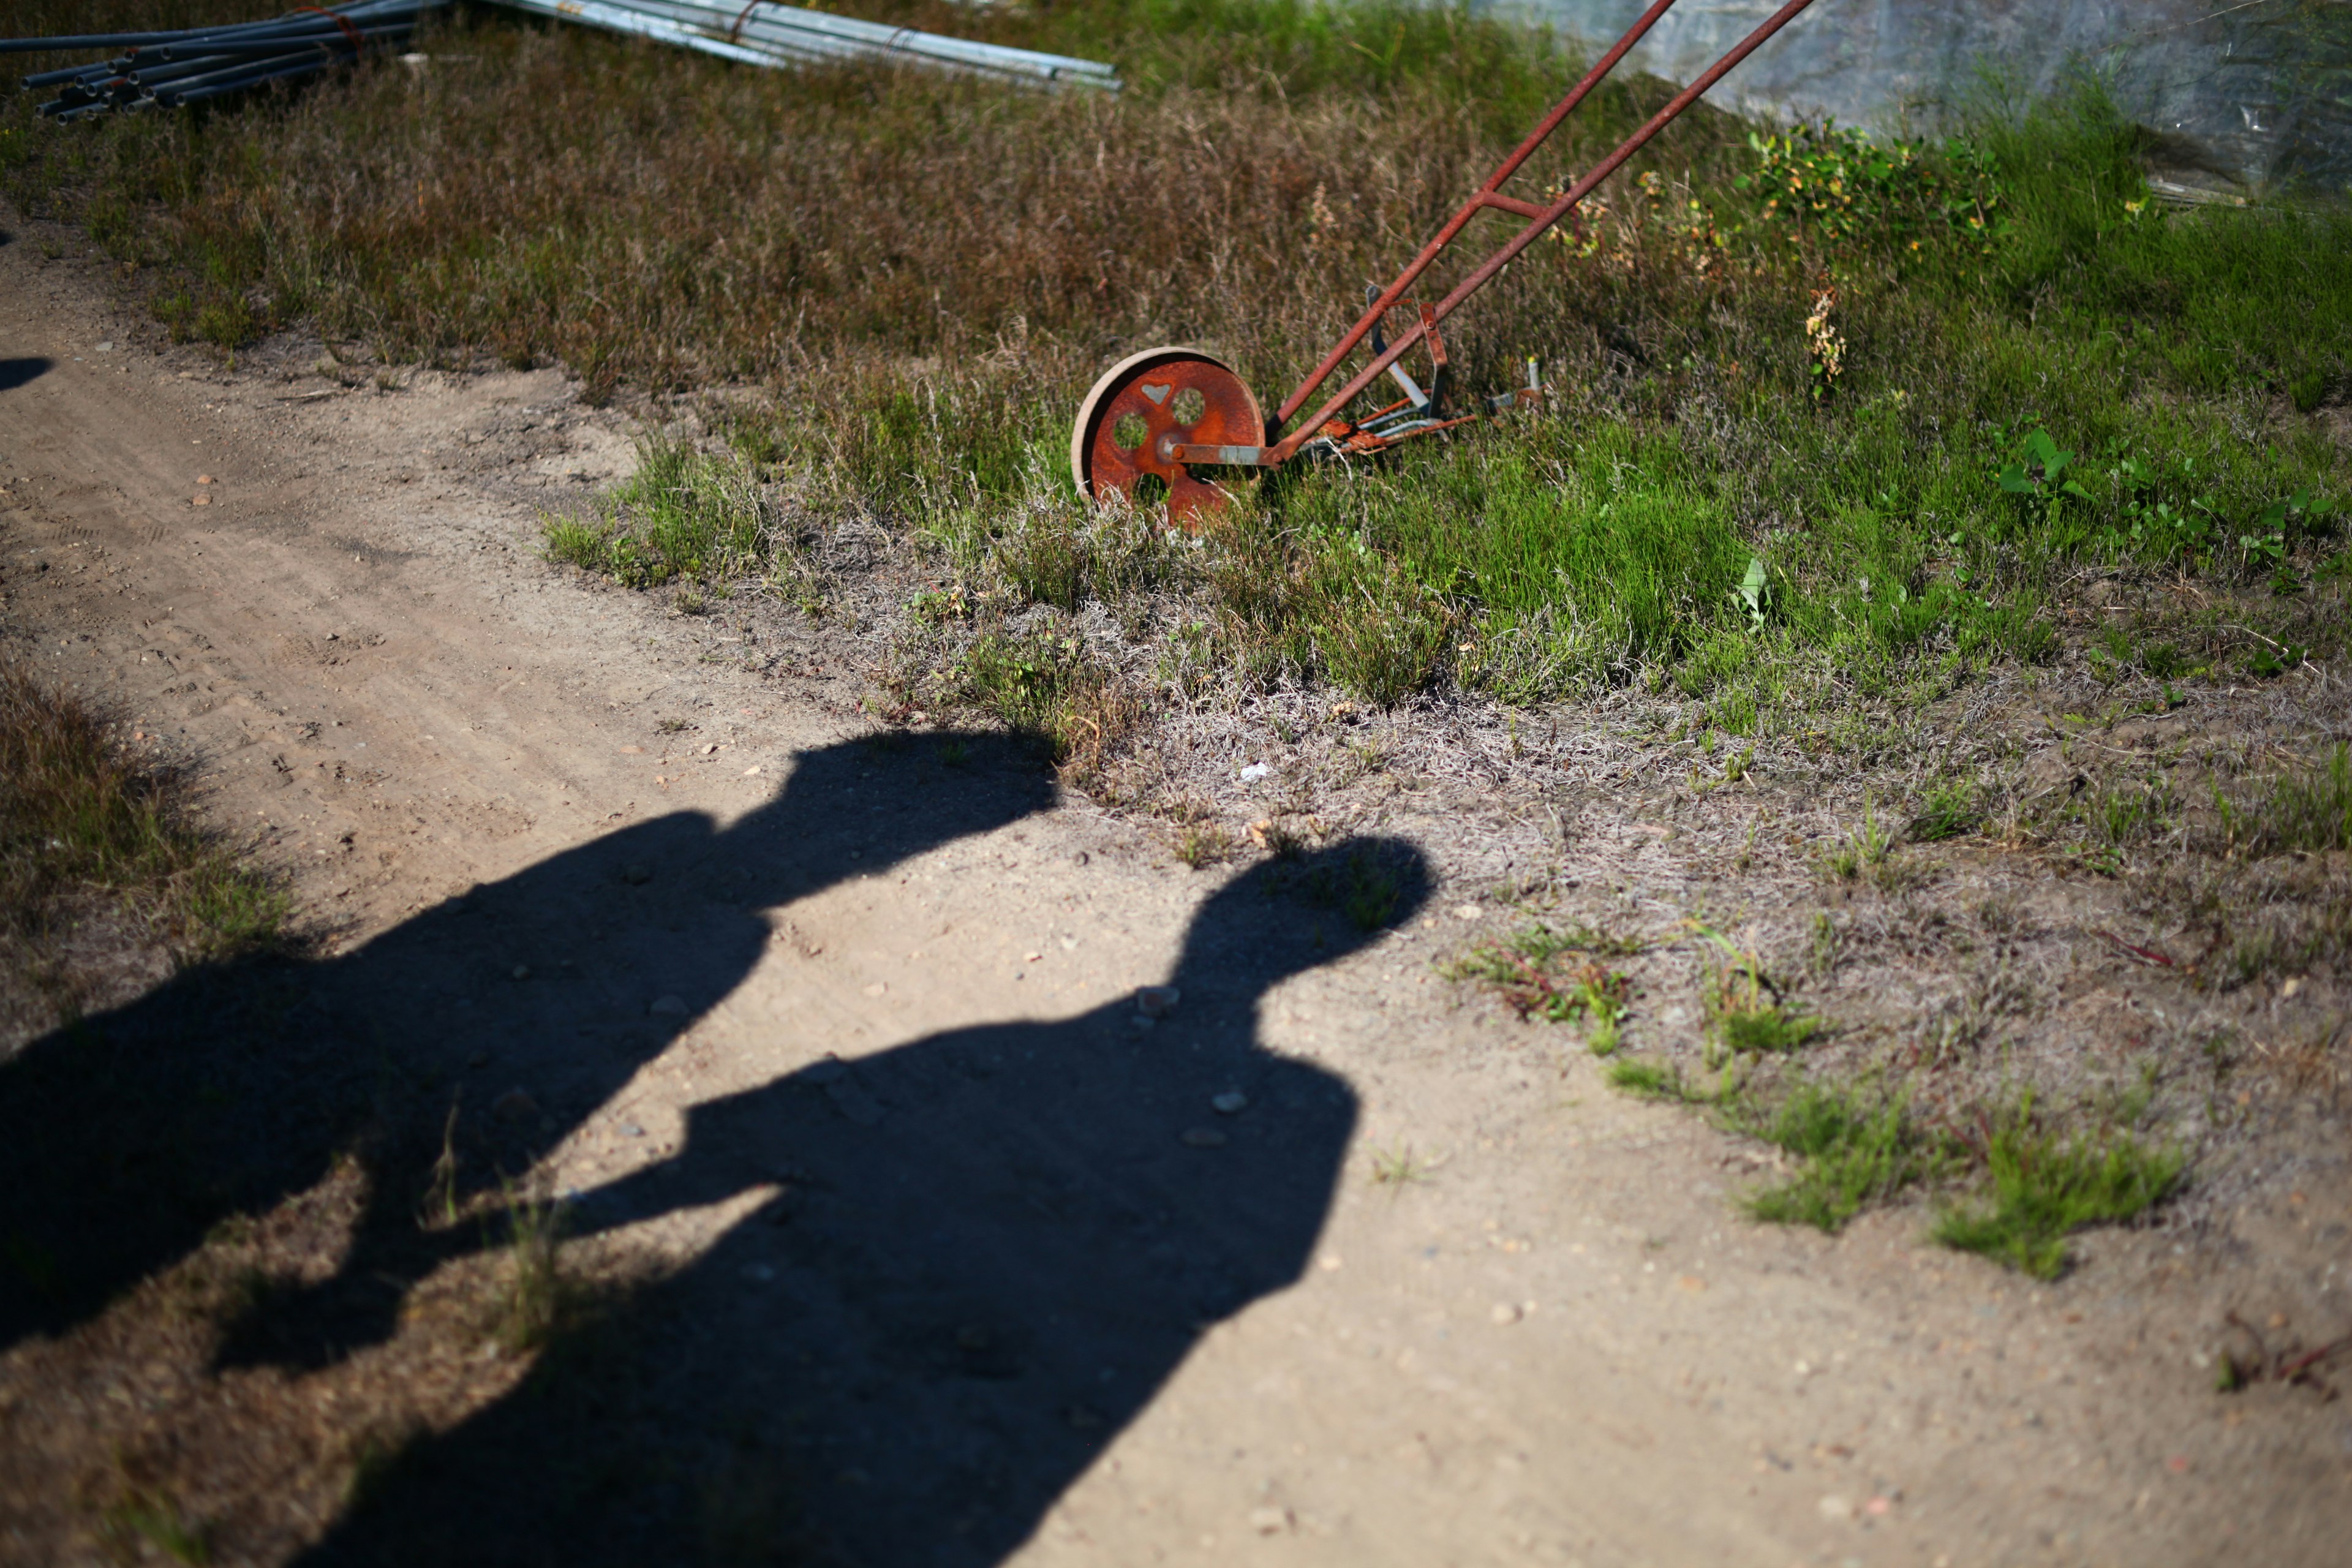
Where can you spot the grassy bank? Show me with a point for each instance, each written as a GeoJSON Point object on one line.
{"type": "Point", "coordinates": [102, 870]}
{"type": "Point", "coordinates": [1740, 488]}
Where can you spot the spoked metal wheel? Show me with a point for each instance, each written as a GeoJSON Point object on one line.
{"type": "Point", "coordinates": [1148, 402]}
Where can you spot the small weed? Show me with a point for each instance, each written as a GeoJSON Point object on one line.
{"type": "Point", "coordinates": [151, 1515]}
{"type": "Point", "coordinates": [1746, 1007]}
{"type": "Point", "coordinates": [1200, 844]}
{"type": "Point", "coordinates": [1652, 1080]}
{"type": "Point", "coordinates": [440, 1206]}
{"type": "Point", "coordinates": [683, 514]}
{"type": "Point", "coordinates": [1826, 944]}
{"type": "Point", "coordinates": [1863, 849]}
{"type": "Point", "coordinates": [673, 726]}
{"type": "Point", "coordinates": [1526, 972]}
{"type": "Point", "coordinates": [1950, 810]}
{"type": "Point", "coordinates": [2045, 1187]}
{"type": "Point", "coordinates": [538, 1298]}
{"type": "Point", "coordinates": [1359, 885]}
{"type": "Point", "coordinates": [1856, 1153]}
{"type": "Point", "coordinates": [2307, 809]}
{"type": "Point", "coordinates": [1399, 1167]}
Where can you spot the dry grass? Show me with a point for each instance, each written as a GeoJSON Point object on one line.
{"type": "Point", "coordinates": [103, 871]}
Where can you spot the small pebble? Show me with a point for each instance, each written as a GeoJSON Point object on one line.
{"type": "Point", "coordinates": [1157, 1001]}
{"type": "Point", "coordinates": [523, 971]}
{"type": "Point", "coordinates": [1203, 1138]}
{"type": "Point", "coordinates": [636, 874]}
{"type": "Point", "coordinates": [514, 1105]}
{"type": "Point", "coordinates": [1467, 911]}
{"type": "Point", "coordinates": [1269, 1520]}
{"type": "Point", "coordinates": [631, 1129]}
{"type": "Point", "coordinates": [1836, 1507]}
{"type": "Point", "coordinates": [1505, 1314]}
{"type": "Point", "coordinates": [1255, 771]}
{"type": "Point", "coordinates": [1232, 1102]}
{"type": "Point", "coordinates": [667, 1008]}
{"type": "Point", "coordinates": [878, 988]}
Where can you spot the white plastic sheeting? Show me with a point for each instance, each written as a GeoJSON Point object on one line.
{"type": "Point", "coordinates": [2252, 92]}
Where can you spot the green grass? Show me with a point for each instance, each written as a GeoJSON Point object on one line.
{"type": "Point", "coordinates": [1949, 810]}
{"type": "Point", "coordinates": [910, 280]}
{"type": "Point", "coordinates": [2307, 808]}
{"type": "Point", "coordinates": [684, 514]}
{"type": "Point", "coordinates": [2045, 1185]}
{"type": "Point", "coordinates": [1646, 1080]}
{"type": "Point", "coordinates": [1855, 1152]}
{"type": "Point", "coordinates": [82, 814]}
{"type": "Point", "coordinates": [148, 1517]}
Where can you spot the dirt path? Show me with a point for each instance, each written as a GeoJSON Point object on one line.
{"type": "Point", "coordinates": [1557, 1342]}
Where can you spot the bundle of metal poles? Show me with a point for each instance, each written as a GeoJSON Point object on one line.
{"type": "Point", "coordinates": [193, 64]}
{"type": "Point", "coordinates": [757, 33]}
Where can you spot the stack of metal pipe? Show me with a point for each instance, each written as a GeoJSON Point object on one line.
{"type": "Point", "coordinates": [757, 33]}
{"type": "Point", "coordinates": [191, 65]}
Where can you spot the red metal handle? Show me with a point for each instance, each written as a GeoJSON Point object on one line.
{"type": "Point", "coordinates": [1288, 447]}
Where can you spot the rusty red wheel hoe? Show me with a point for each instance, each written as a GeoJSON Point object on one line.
{"type": "Point", "coordinates": [1166, 412]}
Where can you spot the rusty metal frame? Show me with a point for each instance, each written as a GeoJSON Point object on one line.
{"type": "Point", "coordinates": [1421, 414]}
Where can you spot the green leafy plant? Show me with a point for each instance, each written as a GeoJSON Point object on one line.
{"type": "Point", "coordinates": [2037, 476]}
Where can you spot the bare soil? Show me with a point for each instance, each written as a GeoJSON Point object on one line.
{"type": "Point", "coordinates": [911, 1242]}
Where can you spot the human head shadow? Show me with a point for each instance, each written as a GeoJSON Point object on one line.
{"type": "Point", "coordinates": [967, 1263]}
{"type": "Point", "coordinates": [129, 1136]}
{"type": "Point", "coordinates": [16, 373]}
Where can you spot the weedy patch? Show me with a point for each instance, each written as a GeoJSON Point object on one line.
{"type": "Point", "coordinates": [1399, 1167]}
{"type": "Point", "coordinates": [1747, 1014]}
{"type": "Point", "coordinates": [1559, 974]}
{"type": "Point", "coordinates": [684, 514]}
{"type": "Point", "coordinates": [2306, 808]}
{"type": "Point", "coordinates": [1855, 1148]}
{"type": "Point", "coordinates": [147, 1517]}
{"type": "Point", "coordinates": [85, 820]}
{"type": "Point", "coordinates": [1864, 849]}
{"type": "Point", "coordinates": [539, 1300]}
{"type": "Point", "coordinates": [2045, 1184]}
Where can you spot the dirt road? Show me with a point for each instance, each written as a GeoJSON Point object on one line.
{"type": "Point", "coordinates": [1421, 1290]}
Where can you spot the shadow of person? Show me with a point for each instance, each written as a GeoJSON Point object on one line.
{"type": "Point", "coordinates": [968, 1263]}
{"type": "Point", "coordinates": [499, 1019]}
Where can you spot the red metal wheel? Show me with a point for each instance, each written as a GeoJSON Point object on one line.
{"type": "Point", "coordinates": [1158, 397]}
